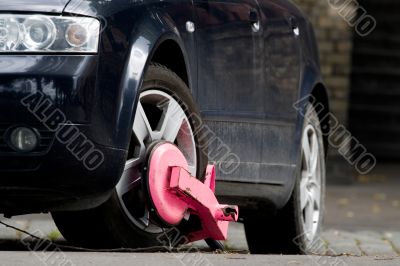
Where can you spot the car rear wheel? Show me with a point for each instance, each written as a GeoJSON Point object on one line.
{"type": "Point", "coordinates": [165, 112]}
{"type": "Point", "coordinates": [296, 228]}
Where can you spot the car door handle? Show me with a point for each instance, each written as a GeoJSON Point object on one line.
{"type": "Point", "coordinates": [294, 25]}
{"type": "Point", "coordinates": [293, 22]}
{"type": "Point", "coordinates": [254, 20]}
{"type": "Point", "coordinates": [253, 16]}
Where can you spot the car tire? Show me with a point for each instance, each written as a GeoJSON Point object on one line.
{"type": "Point", "coordinates": [115, 223]}
{"type": "Point", "coordinates": [296, 228]}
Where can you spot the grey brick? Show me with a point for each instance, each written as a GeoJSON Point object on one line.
{"type": "Point", "coordinates": [7, 233]}
{"type": "Point", "coordinates": [394, 238]}
{"type": "Point", "coordinates": [341, 242]}
{"type": "Point", "coordinates": [373, 244]}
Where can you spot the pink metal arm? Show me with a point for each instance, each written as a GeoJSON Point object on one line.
{"type": "Point", "coordinates": [201, 200]}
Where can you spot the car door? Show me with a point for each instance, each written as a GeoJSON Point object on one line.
{"type": "Point", "coordinates": [282, 52]}
{"type": "Point", "coordinates": [229, 46]}
{"type": "Point", "coordinates": [229, 40]}
{"type": "Point", "coordinates": [248, 81]}
{"type": "Point", "coordinates": [282, 59]}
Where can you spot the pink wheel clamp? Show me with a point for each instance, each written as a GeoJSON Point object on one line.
{"type": "Point", "coordinates": [175, 194]}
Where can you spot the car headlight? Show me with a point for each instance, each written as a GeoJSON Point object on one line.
{"type": "Point", "coordinates": [40, 33]}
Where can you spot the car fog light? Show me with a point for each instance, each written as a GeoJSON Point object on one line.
{"type": "Point", "coordinates": [24, 139]}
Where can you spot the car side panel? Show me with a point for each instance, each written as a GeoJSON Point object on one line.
{"type": "Point", "coordinates": [257, 139]}
{"type": "Point", "coordinates": [247, 90]}
{"type": "Point", "coordinates": [292, 75]}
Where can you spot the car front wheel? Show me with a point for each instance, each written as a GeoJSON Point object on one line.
{"type": "Point", "coordinates": [165, 112]}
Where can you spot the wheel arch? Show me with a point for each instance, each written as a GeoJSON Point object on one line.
{"type": "Point", "coordinates": [320, 100]}
{"type": "Point", "coordinates": [170, 54]}
{"type": "Point", "coordinates": [146, 46]}
{"type": "Point", "coordinates": [312, 90]}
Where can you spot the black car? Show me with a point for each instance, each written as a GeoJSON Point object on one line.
{"type": "Point", "coordinates": [88, 87]}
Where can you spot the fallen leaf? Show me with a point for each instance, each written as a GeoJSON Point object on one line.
{"type": "Point", "coordinates": [376, 209]}
{"type": "Point", "coordinates": [380, 196]}
{"type": "Point", "coordinates": [343, 201]}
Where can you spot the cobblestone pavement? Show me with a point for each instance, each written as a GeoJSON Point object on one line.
{"type": "Point", "coordinates": [183, 259]}
{"type": "Point", "coordinates": [333, 242]}
{"type": "Point", "coordinates": [361, 220]}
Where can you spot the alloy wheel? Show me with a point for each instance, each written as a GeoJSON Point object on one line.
{"type": "Point", "coordinates": [158, 117]}
{"type": "Point", "coordinates": [310, 183]}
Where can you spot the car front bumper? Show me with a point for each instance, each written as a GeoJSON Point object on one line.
{"type": "Point", "coordinates": [53, 176]}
